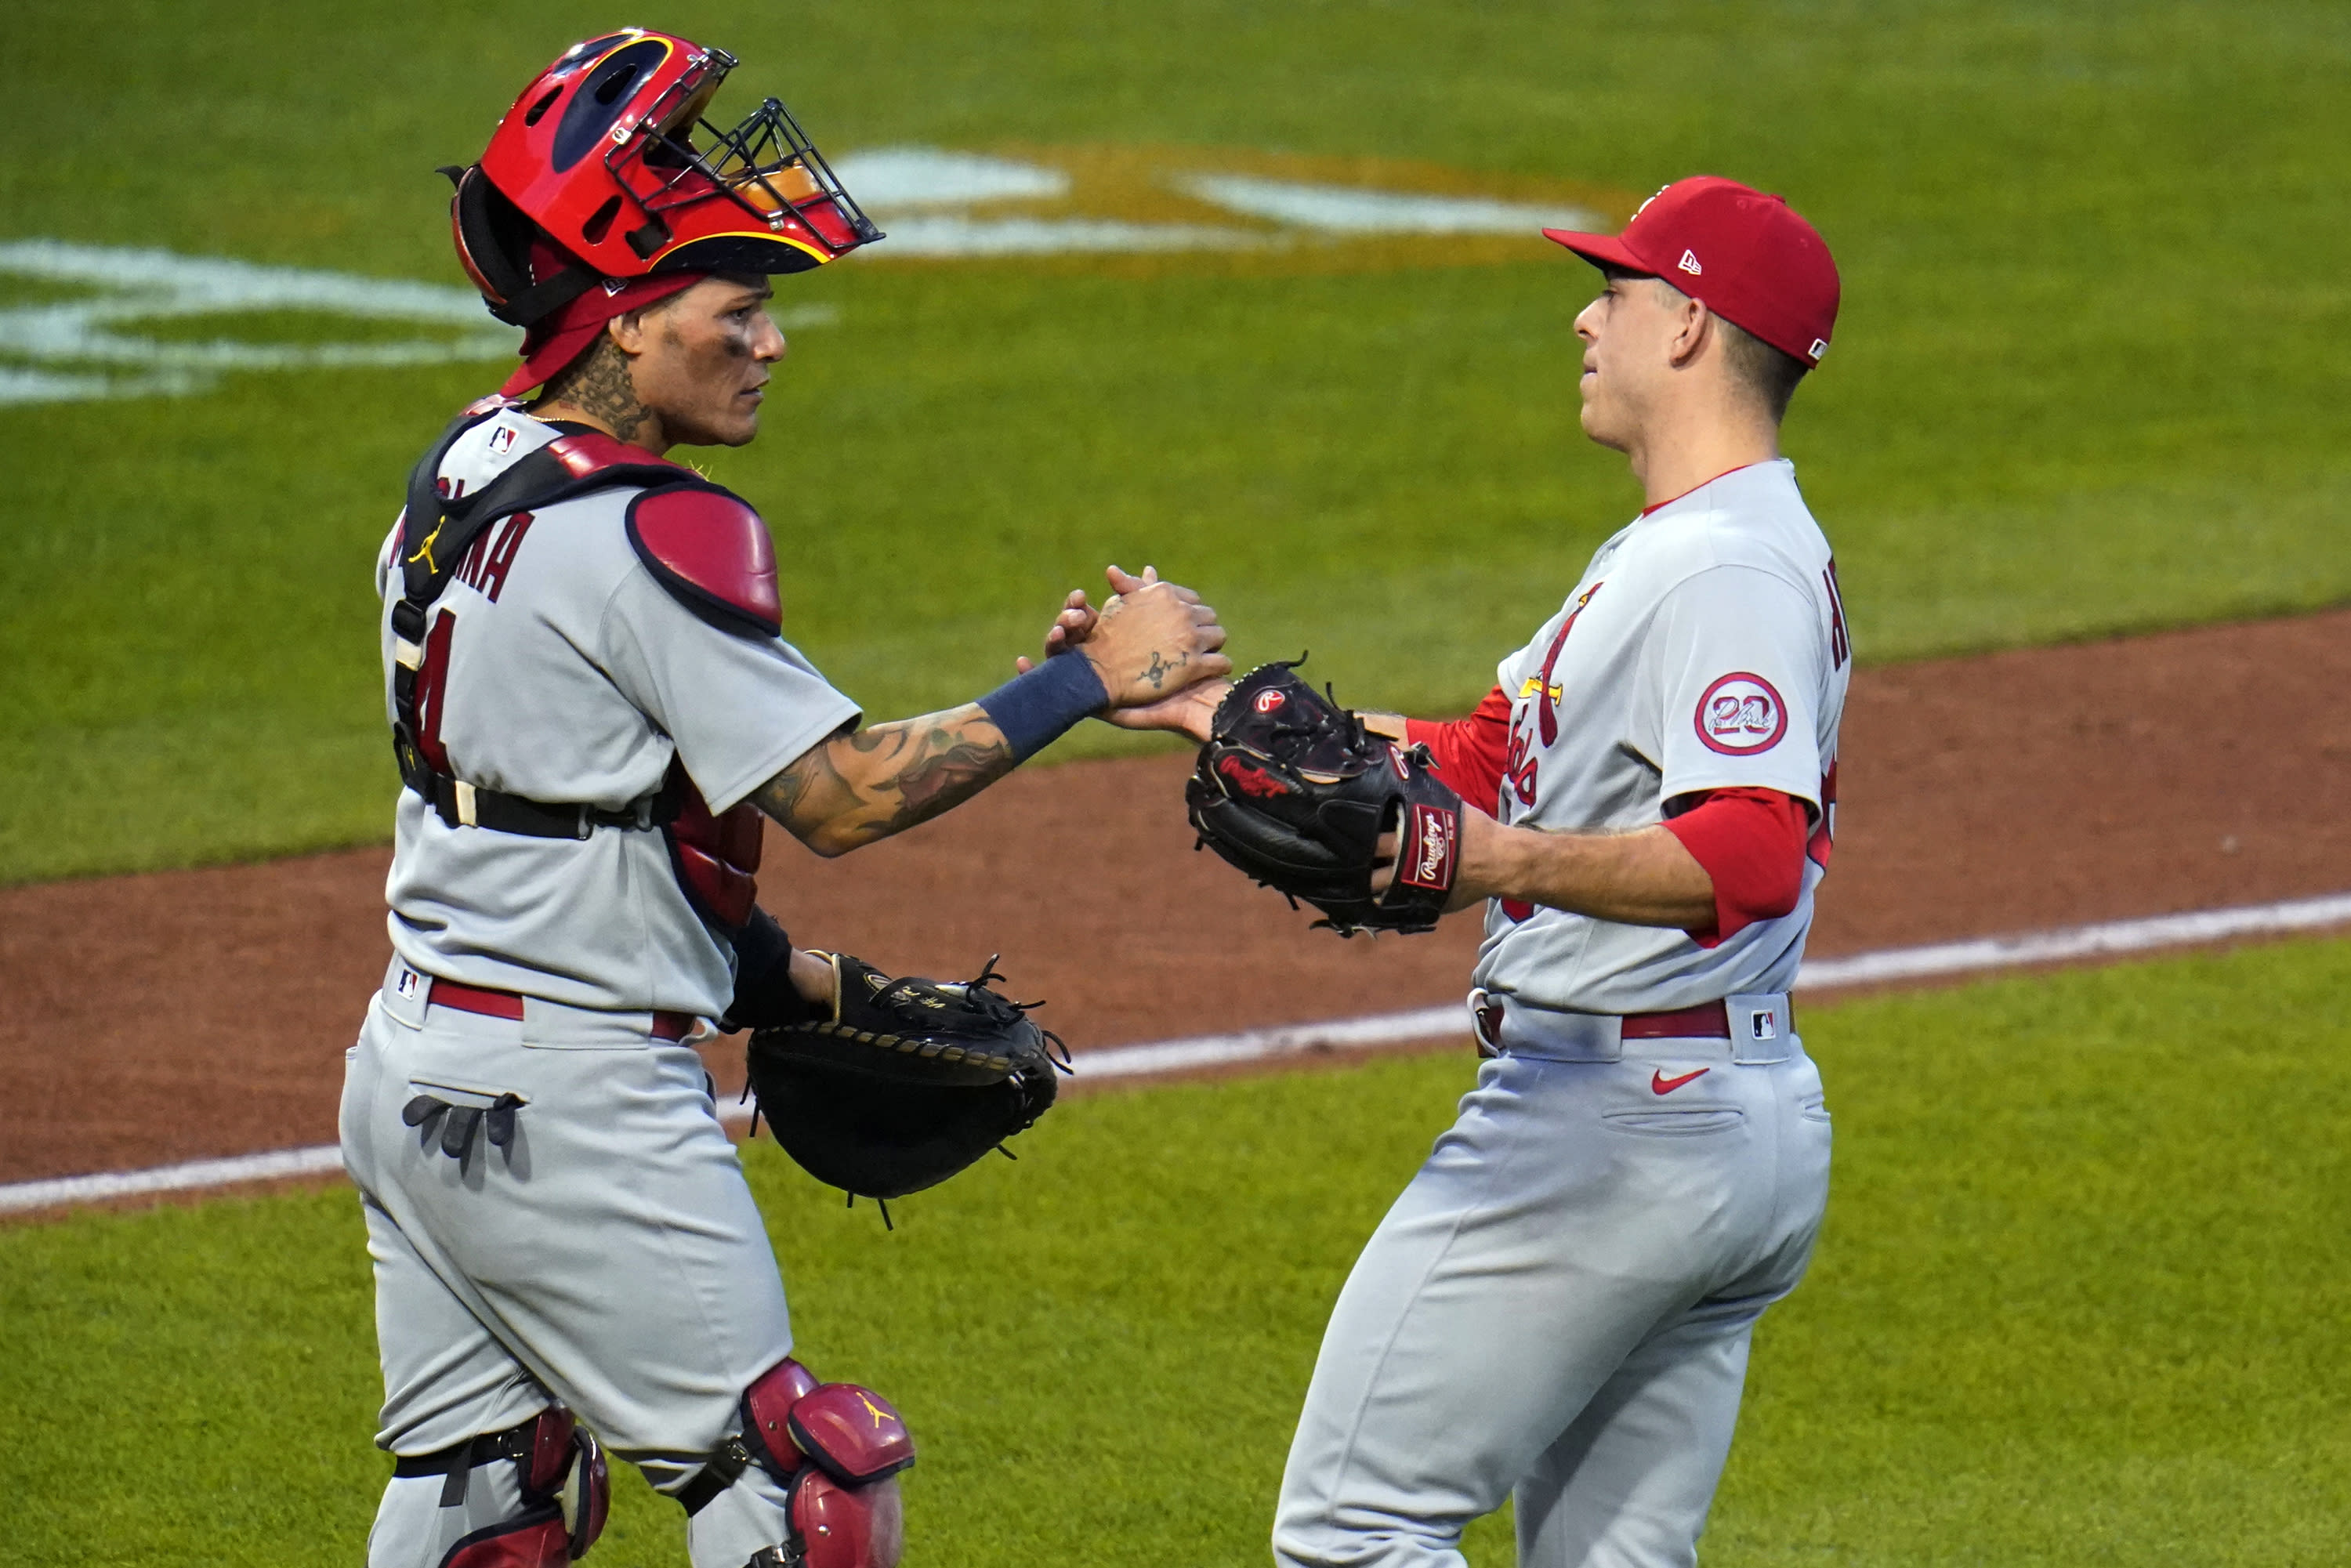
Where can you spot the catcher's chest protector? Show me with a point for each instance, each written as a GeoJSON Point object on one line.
{"type": "Point", "coordinates": [704, 545]}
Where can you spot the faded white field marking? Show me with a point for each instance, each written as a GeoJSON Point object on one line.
{"type": "Point", "coordinates": [71, 342]}
{"type": "Point", "coordinates": [1344, 209]}
{"type": "Point", "coordinates": [2112, 938]}
{"type": "Point", "coordinates": [934, 202]}
{"type": "Point", "coordinates": [954, 235]}
{"type": "Point", "coordinates": [895, 179]}
{"type": "Point", "coordinates": [916, 192]}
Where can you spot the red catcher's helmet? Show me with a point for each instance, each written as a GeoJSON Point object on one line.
{"type": "Point", "coordinates": [599, 154]}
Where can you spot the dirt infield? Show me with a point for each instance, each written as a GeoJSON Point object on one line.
{"type": "Point", "coordinates": [185, 1014]}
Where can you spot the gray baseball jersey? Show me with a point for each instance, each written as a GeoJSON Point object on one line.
{"type": "Point", "coordinates": [571, 675]}
{"type": "Point", "coordinates": [1559, 1305]}
{"type": "Point", "coordinates": [607, 1253]}
{"type": "Point", "coordinates": [1704, 648]}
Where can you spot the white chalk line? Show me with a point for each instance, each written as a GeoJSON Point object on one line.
{"type": "Point", "coordinates": [2112, 938]}
{"type": "Point", "coordinates": [85, 334]}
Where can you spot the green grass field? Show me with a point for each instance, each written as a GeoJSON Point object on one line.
{"type": "Point", "coordinates": [2079, 1300]}
{"type": "Point", "coordinates": [2082, 381]}
{"type": "Point", "coordinates": [2079, 1297]}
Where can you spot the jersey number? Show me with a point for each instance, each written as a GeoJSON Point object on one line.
{"type": "Point", "coordinates": [484, 569]}
{"type": "Point", "coordinates": [432, 682]}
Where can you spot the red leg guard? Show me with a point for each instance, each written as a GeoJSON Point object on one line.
{"type": "Point", "coordinates": [537, 1539]}
{"type": "Point", "coordinates": [852, 1433]}
{"type": "Point", "coordinates": [766, 1416]}
{"type": "Point", "coordinates": [847, 1527]}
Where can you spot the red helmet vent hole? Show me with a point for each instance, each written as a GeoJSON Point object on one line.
{"type": "Point", "coordinates": [600, 222]}
{"type": "Point", "coordinates": [538, 111]}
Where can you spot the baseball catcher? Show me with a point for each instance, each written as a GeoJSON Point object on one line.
{"type": "Point", "coordinates": [592, 706]}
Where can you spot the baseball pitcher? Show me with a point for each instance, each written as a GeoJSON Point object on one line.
{"type": "Point", "coordinates": [1560, 1304]}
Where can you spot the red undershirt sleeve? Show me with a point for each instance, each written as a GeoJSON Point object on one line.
{"type": "Point", "coordinates": [1751, 844]}
{"type": "Point", "coordinates": [1472, 754]}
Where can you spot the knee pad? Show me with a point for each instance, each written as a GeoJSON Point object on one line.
{"type": "Point", "coordinates": [834, 1526]}
{"type": "Point", "coordinates": [837, 1447]}
{"type": "Point", "coordinates": [566, 1485]}
{"type": "Point", "coordinates": [846, 1430]}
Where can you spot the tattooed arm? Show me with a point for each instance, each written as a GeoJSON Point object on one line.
{"type": "Point", "coordinates": [868, 784]}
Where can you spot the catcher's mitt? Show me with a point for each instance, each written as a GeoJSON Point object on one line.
{"type": "Point", "coordinates": [908, 1081]}
{"type": "Point", "coordinates": [1293, 791]}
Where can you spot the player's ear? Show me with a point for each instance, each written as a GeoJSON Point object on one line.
{"type": "Point", "coordinates": [1693, 323]}
{"type": "Point", "coordinates": [627, 332]}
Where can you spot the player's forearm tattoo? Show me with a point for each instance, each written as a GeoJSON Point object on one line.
{"type": "Point", "coordinates": [857, 787]}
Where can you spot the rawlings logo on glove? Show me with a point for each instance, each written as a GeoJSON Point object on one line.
{"type": "Point", "coordinates": [1292, 789]}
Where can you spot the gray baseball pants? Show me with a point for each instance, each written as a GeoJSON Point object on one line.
{"type": "Point", "coordinates": [611, 1257]}
{"type": "Point", "coordinates": [1559, 1308]}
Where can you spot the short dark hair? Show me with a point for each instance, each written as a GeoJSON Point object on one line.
{"type": "Point", "coordinates": [1769, 373]}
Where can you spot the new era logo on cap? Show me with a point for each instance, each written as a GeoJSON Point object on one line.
{"type": "Point", "coordinates": [1688, 262]}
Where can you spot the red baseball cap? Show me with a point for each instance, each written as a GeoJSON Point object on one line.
{"type": "Point", "coordinates": [1745, 254]}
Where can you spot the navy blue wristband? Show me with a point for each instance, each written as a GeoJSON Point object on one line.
{"type": "Point", "coordinates": [1032, 710]}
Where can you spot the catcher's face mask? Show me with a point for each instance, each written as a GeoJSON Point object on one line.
{"type": "Point", "coordinates": [610, 154]}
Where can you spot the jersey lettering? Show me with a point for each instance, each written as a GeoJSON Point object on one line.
{"type": "Point", "coordinates": [432, 682]}
{"type": "Point", "coordinates": [1546, 692]}
{"type": "Point", "coordinates": [1519, 768]}
{"type": "Point", "coordinates": [1543, 695]}
{"type": "Point", "coordinates": [486, 563]}
{"type": "Point", "coordinates": [1840, 644]}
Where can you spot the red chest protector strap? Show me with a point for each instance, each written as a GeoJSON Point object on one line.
{"type": "Point", "coordinates": [705, 546]}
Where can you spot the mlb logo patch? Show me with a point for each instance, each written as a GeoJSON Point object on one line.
{"type": "Point", "coordinates": [411, 985]}
{"type": "Point", "coordinates": [501, 439]}
{"type": "Point", "coordinates": [1765, 1022]}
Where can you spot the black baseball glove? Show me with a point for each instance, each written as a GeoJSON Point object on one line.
{"type": "Point", "coordinates": [907, 1082]}
{"type": "Point", "coordinates": [1293, 791]}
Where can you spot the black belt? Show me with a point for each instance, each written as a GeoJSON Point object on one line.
{"type": "Point", "coordinates": [459, 1459]}
{"type": "Point", "coordinates": [725, 1466]}
{"type": "Point", "coordinates": [465, 805]}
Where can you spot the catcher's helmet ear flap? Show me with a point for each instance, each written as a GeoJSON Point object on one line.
{"type": "Point", "coordinates": [494, 241]}
{"type": "Point", "coordinates": [492, 237]}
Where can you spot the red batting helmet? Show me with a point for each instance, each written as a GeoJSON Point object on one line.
{"type": "Point", "coordinates": [600, 156]}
